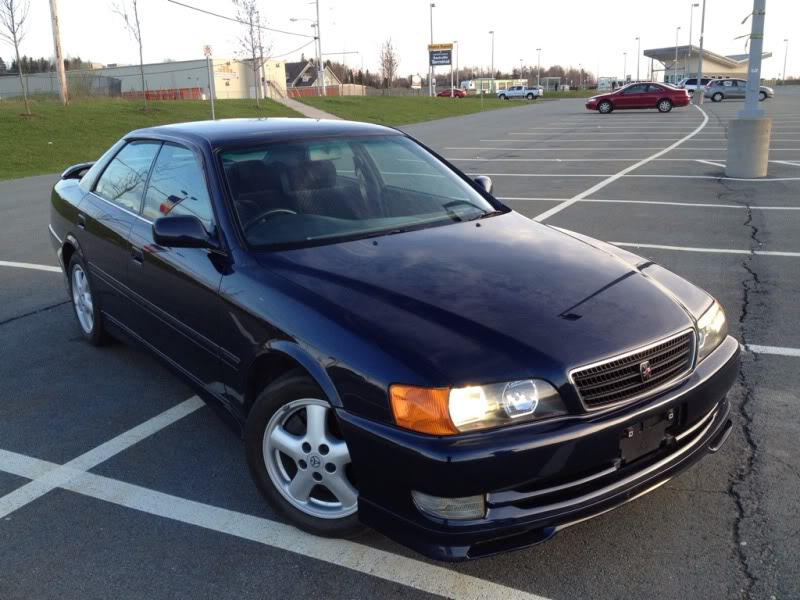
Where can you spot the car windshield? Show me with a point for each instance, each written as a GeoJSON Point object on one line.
{"type": "Point", "coordinates": [320, 191]}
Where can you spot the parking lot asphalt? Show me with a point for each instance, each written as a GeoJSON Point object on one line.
{"type": "Point", "coordinates": [115, 481]}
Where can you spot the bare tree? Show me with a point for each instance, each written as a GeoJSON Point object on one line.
{"type": "Point", "coordinates": [251, 44]}
{"type": "Point", "coordinates": [13, 14]}
{"type": "Point", "coordinates": [389, 61]}
{"type": "Point", "coordinates": [134, 27]}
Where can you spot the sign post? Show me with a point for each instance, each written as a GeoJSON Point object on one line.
{"type": "Point", "coordinates": [440, 55]}
{"type": "Point", "coordinates": [207, 53]}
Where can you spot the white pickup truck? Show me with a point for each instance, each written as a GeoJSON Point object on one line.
{"type": "Point", "coordinates": [519, 91]}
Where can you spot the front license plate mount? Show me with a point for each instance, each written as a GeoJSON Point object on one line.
{"type": "Point", "coordinates": [647, 436]}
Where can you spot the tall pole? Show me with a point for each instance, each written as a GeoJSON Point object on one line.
{"type": "Point", "coordinates": [754, 64]}
{"type": "Point", "coordinates": [785, 56]}
{"type": "Point", "coordinates": [624, 67]}
{"type": "Point", "coordinates": [688, 59]}
{"type": "Point", "coordinates": [538, 66]}
{"type": "Point", "coordinates": [580, 77]}
{"type": "Point", "coordinates": [458, 75]}
{"type": "Point", "coordinates": [491, 78]}
{"type": "Point", "coordinates": [675, 69]}
{"type": "Point", "coordinates": [211, 86]}
{"type": "Point", "coordinates": [320, 68]}
{"type": "Point", "coordinates": [698, 98]}
{"type": "Point", "coordinates": [638, 56]}
{"type": "Point", "coordinates": [430, 67]}
{"type": "Point", "coordinates": [62, 78]}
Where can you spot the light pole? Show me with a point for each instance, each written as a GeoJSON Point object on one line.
{"type": "Point", "coordinates": [520, 68]}
{"type": "Point", "coordinates": [538, 66]}
{"type": "Point", "coordinates": [688, 60]}
{"type": "Point", "coordinates": [675, 70]}
{"type": "Point", "coordinates": [698, 98]}
{"type": "Point", "coordinates": [317, 49]}
{"type": "Point", "coordinates": [491, 78]}
{"type": "Point", "coordinates": [430, 67]}
{"type": "Point", "coordinates": [458, 81]}
{"type": "Point", "coordinates": [624, 67]}
{"type": "Point", "coordinates": [638, 55]}
{"type": "Point", "coordinates": [580, 78]}
{"type": "Point", "coordinates": [785, 56]}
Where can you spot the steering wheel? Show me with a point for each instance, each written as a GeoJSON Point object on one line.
{"type": "Point", "coordinates": [266, 215]}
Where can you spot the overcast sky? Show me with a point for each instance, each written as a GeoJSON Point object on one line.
{"type": "Point", "coordinates": [570, 32]}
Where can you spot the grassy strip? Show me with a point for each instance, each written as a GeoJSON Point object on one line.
{"type": "Point", "coordinates": [57, 136]}
{"type": "Point", "coordinates": [404, 110]}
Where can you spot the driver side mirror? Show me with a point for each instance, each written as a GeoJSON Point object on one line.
{"type": "Point", "coordinates": [485, 183]}
{"type": "Point", "coordinates": [183, 231]}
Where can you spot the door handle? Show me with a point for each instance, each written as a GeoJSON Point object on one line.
{"type": "Point", "coordinates": [81, 220]}
{"type": "Point", "coordinates": [137, 255]}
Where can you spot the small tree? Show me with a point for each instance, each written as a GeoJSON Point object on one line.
{"type": "Point", "coordinates": [251, 44]}
{"type": "Point", "coordinates": [389, 61]}
{"type": "Point", "coordinates": [134, 27]}
{"type": "Point", "coordinates": [13, 14]}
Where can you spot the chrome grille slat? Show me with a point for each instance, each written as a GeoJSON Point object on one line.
{"type": "Point", "coordinates": [618, 379]}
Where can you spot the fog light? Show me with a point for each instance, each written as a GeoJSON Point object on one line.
{"type": "Point", "coordinates": [467, 507]}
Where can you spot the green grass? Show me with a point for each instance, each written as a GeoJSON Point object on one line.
{"type": "Point", "coordinates": [57, 136]}
{"type": "Point", "coordinates": [403, 110]}
{"type": "Point", "coordinates": [570, 94]}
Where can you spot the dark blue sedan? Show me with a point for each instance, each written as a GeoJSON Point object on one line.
{"type": "Point", "coordinates": [396, 347]}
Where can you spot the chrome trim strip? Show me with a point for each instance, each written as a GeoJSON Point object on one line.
{"type": "Point", "coordinates": [696, 426]}
{"type": "Point", "coordinates": [631, 479]}
{"type": "Point", "coordinates": [53, 233]}
{"type": "Point", "coordinates": [523, 496]}
{"type": "Point", "coordinates": [122, 208]}
{"type": "Point", "coordinates": [652, 392]}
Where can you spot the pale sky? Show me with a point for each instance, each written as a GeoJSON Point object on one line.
{"type": "Point", "coordinates": [570, 32]}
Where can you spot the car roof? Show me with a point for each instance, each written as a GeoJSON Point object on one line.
{"type": "Point", "coordinates": [228, 132]}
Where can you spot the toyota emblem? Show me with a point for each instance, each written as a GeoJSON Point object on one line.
{"type": "Point", "coordinates": [645, 370]}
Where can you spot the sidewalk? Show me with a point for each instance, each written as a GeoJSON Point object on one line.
{"type": "Point", "coordinates": [304, 109]}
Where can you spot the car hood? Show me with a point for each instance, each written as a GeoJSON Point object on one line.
{"type": "Point", "coordinates": [503, 297]}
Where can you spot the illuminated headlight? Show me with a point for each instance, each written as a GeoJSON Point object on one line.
{"type": "Point", "coordinates": [498, 404]}
{"type": "Point", "coordinates": [712, 329]}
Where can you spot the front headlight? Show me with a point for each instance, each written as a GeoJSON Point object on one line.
{"type": "Point", "coordinates": [498, 404]}
{"type": "Point", "coordinates": [712, 329]}
{"type": "Point", "coordinates": [442, 411]}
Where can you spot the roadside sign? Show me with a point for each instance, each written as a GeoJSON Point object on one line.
{"type": "Point", "coordinates": [206, 50]}
{"type": "Point", "coordinates": [432, 47]}
{"type": "Point", "coordinates": [441, 57]}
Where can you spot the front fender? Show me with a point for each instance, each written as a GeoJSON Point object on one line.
{"type": "Point", "coordinates": [308, 362]}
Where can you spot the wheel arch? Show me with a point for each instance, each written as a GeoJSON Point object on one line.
{"type": "Point", "coordinates": [281, 357]}
{"type": "Point", "coordinates": [69, 248]}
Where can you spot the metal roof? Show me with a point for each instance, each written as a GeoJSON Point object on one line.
{"type": "Point", "coordinates": [667, 54]}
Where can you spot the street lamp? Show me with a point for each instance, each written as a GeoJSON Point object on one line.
{"type": "Point", "coordinates": [624, 67]}
{"type": "Point", "coordinates": [317, 49]}
{"type": "Point", "coordinates": [675, 70]}
{"type": "Point", "coordinates": [538, 66]}
{"type": "Point", "coordinates": [638, 55]}
{"type": "Point", "coordinates": [698, 98]}
{"type": "Point", "coordinates": [491, 79]}
{"type": "Point", "coordinates": [785, 55]}
{"type": "Point", "coordinates": [520, 68]}
{"type": "Point", "coordinates": [580, 78]}
{"type": "Point", "coordinates": [430, 67]}
{"type": "Point", "coordinates": [458, 81]}
{"type": "Point", "coordinates": [688, 60]}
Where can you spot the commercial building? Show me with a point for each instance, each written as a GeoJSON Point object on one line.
{"type": "Point", "coordinates": [714, 65]}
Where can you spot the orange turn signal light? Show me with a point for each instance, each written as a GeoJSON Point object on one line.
{"type": "Point", "coordinates": [422, 409]}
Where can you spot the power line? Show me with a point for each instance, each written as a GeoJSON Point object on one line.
{"type": "Point", "coordinates": [235, 20]}
{"type": "Point", "coordinates": [292, 52]}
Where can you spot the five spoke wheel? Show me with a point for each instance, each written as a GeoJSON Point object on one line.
{"type": "Point", "coordinates": [82, 299]}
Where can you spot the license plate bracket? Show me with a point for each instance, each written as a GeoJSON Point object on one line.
{"type": "Point", "coordinates": [647, 436]}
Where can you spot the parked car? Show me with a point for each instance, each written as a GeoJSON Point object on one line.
{"type": "Point", "coordinates": [404, 352]}
{"type": "Point", "coordinates": [457, 93]}
{"type": "Point", "coordinates": [725, 89]}
{"type": "Point", "coordinates": [640, 95]}
{"type": "Point", "coordinates": [519, 91]}
{"type": "Point", "coordinates": [690, 84]}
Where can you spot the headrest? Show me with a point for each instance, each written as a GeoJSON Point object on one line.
{"type": "Point", "coordinates": [312, 175]}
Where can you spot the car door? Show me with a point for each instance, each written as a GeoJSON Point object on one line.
{"type": "Point", "coordinates": [652, 94]}
{"type": "Point", "coordinates": [105, 218]}
{"type": "Point", "coordinates": [631, 97]}
{"type": "Point", "coordinates": [728, 88]}
{"type": "Point", "coordinates": [174, 291]}
{"type": "Point", "coordinates": [740, 88]}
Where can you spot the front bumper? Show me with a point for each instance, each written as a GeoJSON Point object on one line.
{"type": "Point", "coordinates": [538, 478]}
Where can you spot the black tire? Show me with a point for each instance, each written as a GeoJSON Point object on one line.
{"type": "Point", "coordinates": [664, 105]}
{"type": "Point", "coordinates": [762, 96]}
{"type": "Point", "coordinates": [530, 97]}
{"type": "Point", "coordinates": [94, 334]}
{"type": "Point", "coordinates": [717, 97]}
{"type": "Point", "coordinates": [605, 107]}
{"type": "Point", "coordinates": [289, 388]}
{"type": "Point", "coordinates": [503, 97]}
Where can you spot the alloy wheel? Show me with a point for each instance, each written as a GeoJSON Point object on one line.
{"type": "Point", "coordinates": [82, 299]}
{"type": "Point", "coordinates": [308, 462]}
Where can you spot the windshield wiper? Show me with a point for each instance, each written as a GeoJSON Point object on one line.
{"type": "Point", "coordinates": [486, 215]}
{"type": "Point", "coordinates": [382, 233]}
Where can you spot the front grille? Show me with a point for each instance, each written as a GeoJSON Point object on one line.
{"type": "Point", "coordinates": [619, 379]}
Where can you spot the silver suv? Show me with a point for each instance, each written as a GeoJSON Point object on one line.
{"type": "Point", "coordinates": [722, 89]}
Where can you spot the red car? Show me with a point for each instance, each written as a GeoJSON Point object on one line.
{"type": "Point", "coordinates": [640, 95]}
{"type": "Point", "coordinates": [457, 92]}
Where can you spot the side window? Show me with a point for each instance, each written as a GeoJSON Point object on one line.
{"type": "Point", "coordinates": [654, 89]}
{"type": "Point", "coordinates": [635, 89]}
{"type": "Point", "coordinates": [178, 187]}
{"type": "Point", "coordinates": [123, 180]}
{"type": "Point", "coordinates": [741, 83]}
{"type": "Point", "coordinates": [727, 83]}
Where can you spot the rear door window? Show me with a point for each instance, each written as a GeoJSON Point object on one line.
{"type": "Point", "coordinates": [123, 180]}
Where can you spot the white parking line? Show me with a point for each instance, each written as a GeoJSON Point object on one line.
{"type": "Point", "coordinates": [710, 250]}
{"type": "Point", "coordinates": [412, 573]}
{"type": "Point", "coordinates": [654, 202]}
{"type": "Point", "coordinates": [35, 267]}
{"type": "Point", "coordinates": [59, 476]}
{"type": "Point", "coordinates": [640, 176]}
{"type": "Point", "coordinates": [614, 149]}
{"type": "Point", "coordinates": [713, 164]}
{"type": "Point", "coordinates": [776, 350]}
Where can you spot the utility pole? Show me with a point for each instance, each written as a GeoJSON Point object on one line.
{"type": "Point", "coordinates": [638, 55]}
{"type": "Point", "coordinates": [675, 66]}
{"type": "Point", "coordinates": [749, 133]}
{"type": "Point", "coordinates": [785, 56]}
{"type": "Point", "coordinates": [491, 78]}
{"type": "Point", "coordinates": [688, 60]}
{"type": "Point", "coordinates": [538, 66]}
{"type": "Point", "coordinates": [62, 77]}
{"type": "Point", "coordinates": [430, 66]}
{"type": "Point", "coordinates": [458, 80]}
{"type": "Point", "coordinates": [624, 67]}
{"type": "Point", "coordinates": [320, 68]}
{"type": "Point", "coordinates": [698, 97]}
